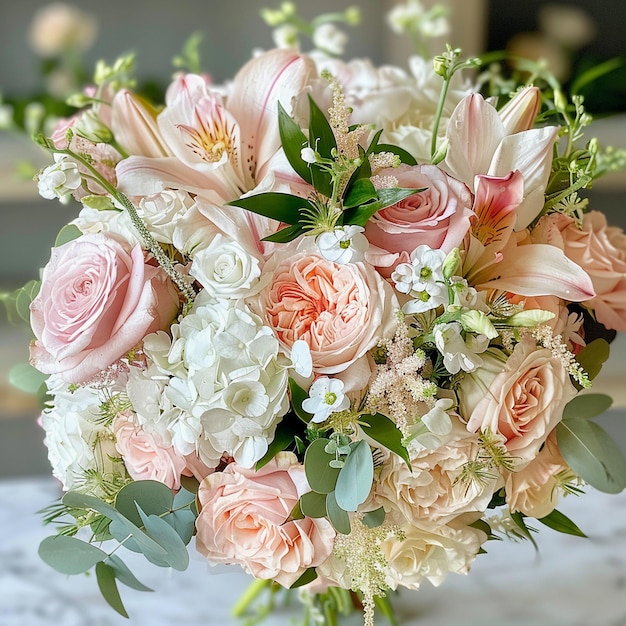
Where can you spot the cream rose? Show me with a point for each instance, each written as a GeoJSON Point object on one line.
{"type": "Point", "coordinates": [523, 402]}
{"type": "Point", "coordinates": [599, 249]}
{"type": "Point", "coordinates": [438, 217]}
{"type": "Point", "coordinates": [340, 311]}
{"type": "Point", "coordinates": [244, 519]}
{"type": "Point", "coordinates": [98, 299]}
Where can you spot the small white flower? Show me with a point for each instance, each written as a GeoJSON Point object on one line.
{"type": "Point", "coordinates": [301, 358]}
{"type": "Point", "coordinates": [308, 155]}
{"type": "Point", "coordinates": [343, 245]}
{"type": "Point", "coordinates": [459, 354]}
{"type": "Point", "coordinates": [326, 396]}
{"type": "Point", "coordinates": [285, 36]}
{"type": "Point", "coordinates": [432, 429]}
{"type": "Point", "coordinates": [60, 179]}
{"type": "Point", "coordinates": [330, 39]}
{"type": "Point", "coordinates": [431, 298]}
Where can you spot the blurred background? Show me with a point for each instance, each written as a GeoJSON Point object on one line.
{"type": "Point", "coordinates": [572, 36]}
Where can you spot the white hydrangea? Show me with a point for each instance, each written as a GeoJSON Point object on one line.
{"type": "Point", "coordinates": [60, 179]}
{"type": "Point", "coordinates": [226, 382]}
{"type": "Point", "coordinates": [75, 439]}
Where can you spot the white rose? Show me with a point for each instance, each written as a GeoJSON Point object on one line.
{"type": "Point", "coordinates": [226, 270]}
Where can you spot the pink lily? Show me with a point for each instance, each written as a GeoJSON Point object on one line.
{"type": "Point", "coordinates": [479, 142]}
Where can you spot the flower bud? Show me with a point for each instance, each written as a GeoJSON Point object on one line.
{"type": "Point", "coordinates": [91, 128]}
{"type": "Point", "coordinates": [520, 112]}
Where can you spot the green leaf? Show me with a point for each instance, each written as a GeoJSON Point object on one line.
{"type": "Point", "coordinates": [298, 396]}
{"type": "Point", "coordinates": [337, 516]}
{"type": "Point", "coordinates": [321, 180]}
{"type": "Point", "coordinates": [153, 497]}
{"type": "Point", "coordinates": [321, 477]}
{"type": "Point", "coordinates": [385, 606]}
{"type": "Point", "coordinates": [313, 504]}
{"type": "Point", "coordinates": [355, 477]}
{"type": "Point", "coordinates": [393, 195]}
{"type": "Point", "coordinates": [105, 575]}
{"type": "Point", "coordinates": [26, 378]}
{"type": "Point", "coordinates": [381, 429]}
{"type": "Point", "coordinates": [190, 483]}
{"type": "Point", "coordinates": [183, 520]}
{"type": "Point", "coordinates": [285, 235]}
{"type": "Point", "coordinates": [283, 438]}
{"type": "Point", "coordinates": [587, 405]}
{"type": "Point", "coordinates": [161, 532]}
{"type": "Point", "coordinates": [592, 454]}
{"type": "Point", "coordinates": [525, 531]}
{"type": "Point", "coordinates": [24, 297]}
{"type": "Point", "coordinates": [374, 518]}
{"type": "Point", "coordinates": [69, 555]}
{"type": "Point", "coordinates": [595, 72]}
{"type": "Point", "coordinates": [321, 136]}
{"type": "Point", "coordinates": [361, 192]}
{"type": "Point", "coordinates": [405, 157]}
{"type": "Point", "coordinates": [308, 577]}
{"type": "Point", "coordinates": [293, 140]}
{"type": "Point", "coordinates": [124, 575]}
{"type": "Point", "coordinates": [593, 356]}
{"type": "Point", "coordinates": [561, 523]}
{"type": "Point", "coordinates": [68, 233]}
{"type": "Point", "coordinates": [282, 207]}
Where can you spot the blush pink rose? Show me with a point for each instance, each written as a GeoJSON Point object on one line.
{"type": "Point", "coordinates": [341, 311]}
{"type": "Point", "coordinates": [438, 217]}
{"type": "Point", "coordinates": [523, 402]}
{"type": "Point", "coordinates": [98, 299]}
{"type": "Point", "coordinates": [599, 249]}
{"type": "Point", "coordinates": [244, 519]}
{"type": "Point", "coordinates": [144, 456]}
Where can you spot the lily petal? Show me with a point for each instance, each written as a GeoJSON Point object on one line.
{"type": "Point", "coordinates": [530, 152]}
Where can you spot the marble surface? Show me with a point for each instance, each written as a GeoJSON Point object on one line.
{"type": "Point", "coordinates": [573, 582]}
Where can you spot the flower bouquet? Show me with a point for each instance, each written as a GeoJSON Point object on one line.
{"type": "Point", "coordinates": [330, 322]}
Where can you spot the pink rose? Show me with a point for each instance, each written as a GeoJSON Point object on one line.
{"type": "Point", "coordinates": [244, 519]}
{"type": "Point", "coordinates": [98, 299]}
{"type": "Point", "coordinates": [341, 311]}
{"type": "Point", "coordinates": [533, 490]}
{"type": "Point", "coordinates": [599, 249]}
{"type": "Point", "coordinates": [524, 400]}
{"type": "Point", "coordinates": [144, 456]}
{"type": "Point", "coordinates": [439, 216]}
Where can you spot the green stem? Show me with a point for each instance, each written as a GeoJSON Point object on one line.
{"type": "Point", "coordinates": [442, 100]}
{"type": "Point", "coordinates": [254, 590]}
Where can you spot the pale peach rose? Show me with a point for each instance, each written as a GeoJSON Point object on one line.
{"type": "Point", "coordinates": [601, 250]}
{"type": "Point", "coordinates": [244, 519]}
{"type": "Point", "coordinates": [429, 488]}
{"type": "Point", "coordinates": [341, 311]}
{"type": "Point", "coordinates": [145, 457]}
{"type": "Point", "coordinates": [98, 299]}
{"type": "Point", "coordinates": [523, 402]}
{"type": "Point", "coordinates": [533, 490]}
{"type": "Point", "coordinates": [438, 217]}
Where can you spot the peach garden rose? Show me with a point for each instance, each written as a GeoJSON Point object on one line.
{"type": "Point", "coordinates": [98, 299]}
{"type": "Point", "coordinates": [244, 518]}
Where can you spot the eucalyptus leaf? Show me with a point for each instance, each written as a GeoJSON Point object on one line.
{"type": "Point", "coordinates": [293, 140]}
{"type": "Point", "coordinates": [337, 516]}
{"type": "Point", "coordinates": [135, 540]}
{"type": "Point", "coordinates": [26, 378]}
{"type": "Point", "coordinates": [124, 575]}
{"type": "Point", "coordinates": [587, 405]}
{"type": "Point", "coordinates": [313, 504]}
{"type": "Point", "coordinates": [183, 522]}
{"type": "Point", "coordinates": [105, 575]}
{"type": "Point", "coordinates": [381, 429]}
{"type": "Point", "coordinates": [68, 233]}
{"type": "Point", "coordinates": [282, 207]}
{"type": "Point", "coordinates": [374, 518]}
{"type": "Point", "coordinates": [592, 454]}
{"type": "Point", "coordinates": [561, 523]}
{"type": "Point", "coordinates": [69, 555]}
{"type": "Point", "coordinates": [152, 496]}
{"type": "Point", "coordinates": [355, 477]}
{"type": "Point", "coordinates": [320, 475]}
{"type": "Point", "coordinates": [161, 532]}
{"type": "Point", "coordinates": [593, 356]}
